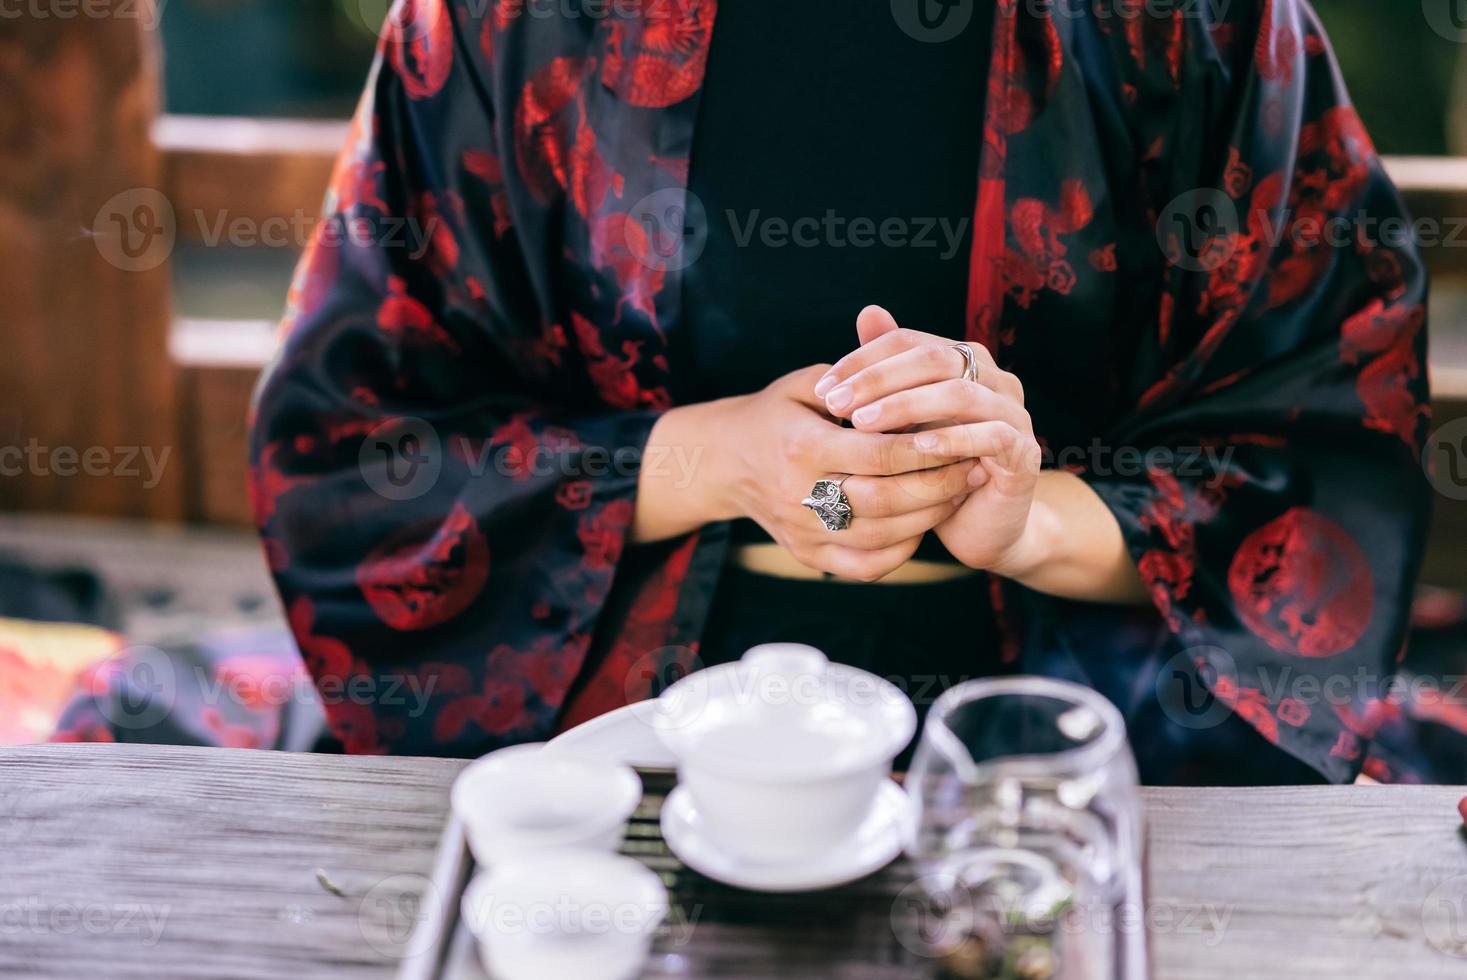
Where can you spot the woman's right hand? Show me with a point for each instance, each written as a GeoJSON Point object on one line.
{"type": "Point", "coordinates": [759, 455]}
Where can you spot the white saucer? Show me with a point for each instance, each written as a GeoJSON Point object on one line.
{"type": "Point", "coordinates": [876, 843]}
{"type": "Point", "coordinates": [627, 736]}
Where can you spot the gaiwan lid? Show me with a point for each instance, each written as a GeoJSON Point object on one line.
{"type": "Point", "coordinates": [784, 712]}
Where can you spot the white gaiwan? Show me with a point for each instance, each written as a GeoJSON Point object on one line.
{"type": "Point", "coordinates": [783, 752]}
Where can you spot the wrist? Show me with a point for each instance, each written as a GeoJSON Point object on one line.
{"type": "Point", "coordinates": [691, 439]}
{"type": "Point", "coordinates": [1039, 543]}
{"type": "Point", "coordinates": [1072, 545]}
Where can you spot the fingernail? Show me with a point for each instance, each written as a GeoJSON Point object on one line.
{"type": "Point", "coordinates": [976, 476]}
{"type": "Point", "coordinates": [926, 441]}
{"type": "Point", "coordinates": [866, 415]}
{"type": "Point", "coordinates": [840, 398]}
{"type": "Point", "coordinates": [824, 385]}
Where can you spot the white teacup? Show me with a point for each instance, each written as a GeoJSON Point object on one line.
{"type": "Point", "coordinates": [548, 915]}
{"type": "Point", "coordinates": [784, 751]}
{"type": "Point", "coordinates": [529, 797]}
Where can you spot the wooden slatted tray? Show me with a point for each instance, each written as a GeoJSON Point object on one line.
{"type": "Point", "coordinates": [712, 930]}
{"type": "Point", "coordinates": [853, 932]}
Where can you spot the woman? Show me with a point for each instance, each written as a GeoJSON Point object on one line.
{"type": "Point", "coordinates": [569, 398]}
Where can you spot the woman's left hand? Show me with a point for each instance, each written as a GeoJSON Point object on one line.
{"type": "Point", "coordinates": [901, 379]}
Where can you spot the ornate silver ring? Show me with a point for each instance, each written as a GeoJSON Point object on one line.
{"type": "Point", "coordinates": [830, 504]}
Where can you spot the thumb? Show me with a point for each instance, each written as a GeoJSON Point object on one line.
{"type": "Point", "coordinates": [873, 322]}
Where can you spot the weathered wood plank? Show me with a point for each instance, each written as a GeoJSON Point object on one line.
{"type": "Point", "coordinates": [222, 849]}
{"type": "Point", "coordinates": [1316, 881]}
{"type": "Point", "coordinates": [219, 852]}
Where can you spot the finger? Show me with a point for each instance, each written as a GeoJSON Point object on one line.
{"type": "Point", "coordinates": [1014, 472]}
{"type": "Point", "coordinates": [887, 496]}
{"type": "Point", "coordinates": [936, 356]}
{"type": "Point", "coordinates": [876, 533]}
{"type": "Point", "coordinates": [865, 566]}
{"type": "Point", "coordinates": [912, 368]}
{"type": "Point", "coordinates": [873, 322]}
{"type": "Point", "coordinates": [994, 442]}
{"type": "Point", "coordinates": [867, 533]}
{"type": "Point", "coordinates": [879, 349]}
{"type": "Point", "coordinates": [990, 375]}
{"type": "Point", "coordinates": [995, 377]}
{"type": "Point", "coordinates": [799, 385]}
{"type": "Point", "coordinates": [970, 439]}
{"type": "Point", "coordinates": [829, 448]}
{"type": "Point", "coordinates": [963, 401]}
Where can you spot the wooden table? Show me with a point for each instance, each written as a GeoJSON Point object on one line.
{"type": "Point", "coordinates": [143, 861]}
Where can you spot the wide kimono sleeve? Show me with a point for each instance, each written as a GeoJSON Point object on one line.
{"type": "Point", "coordinates": [1276, 504]}
{"type": "Point", "coordinates": [445, 451]}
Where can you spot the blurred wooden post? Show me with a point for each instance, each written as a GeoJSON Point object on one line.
{"type": "Point", "coordinates": [88, 394]}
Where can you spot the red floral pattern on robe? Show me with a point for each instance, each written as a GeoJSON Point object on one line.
{"type": "Point", "coordinates": [533, 331]}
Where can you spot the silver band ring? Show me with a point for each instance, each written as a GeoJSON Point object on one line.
{"type": "Point", "coordinates": [830, 503]}
{"type": "Point", "coordinates": [970, 362]}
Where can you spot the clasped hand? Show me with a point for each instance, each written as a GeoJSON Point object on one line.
{"type": "Point", "coordinates": [927, 451]}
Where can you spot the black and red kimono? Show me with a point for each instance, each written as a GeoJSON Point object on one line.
{"type": "Point", "coordinates": [445, 451]}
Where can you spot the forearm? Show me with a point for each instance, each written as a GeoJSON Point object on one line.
{"type": "Point", "coordinates": [1072, 546]}
{"type": "Point", "coordinates": [679, 488]}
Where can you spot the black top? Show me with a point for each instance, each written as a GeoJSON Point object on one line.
{"type": "Point", "coordinates": [836, 159]}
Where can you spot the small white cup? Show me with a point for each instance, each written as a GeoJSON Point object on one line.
{"type": "Point", "coordinates": [528, 797]}
{"type": "Point", "coordinates": [783, 752]}
{"type": "Point", "coordinates": [548, 915]}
